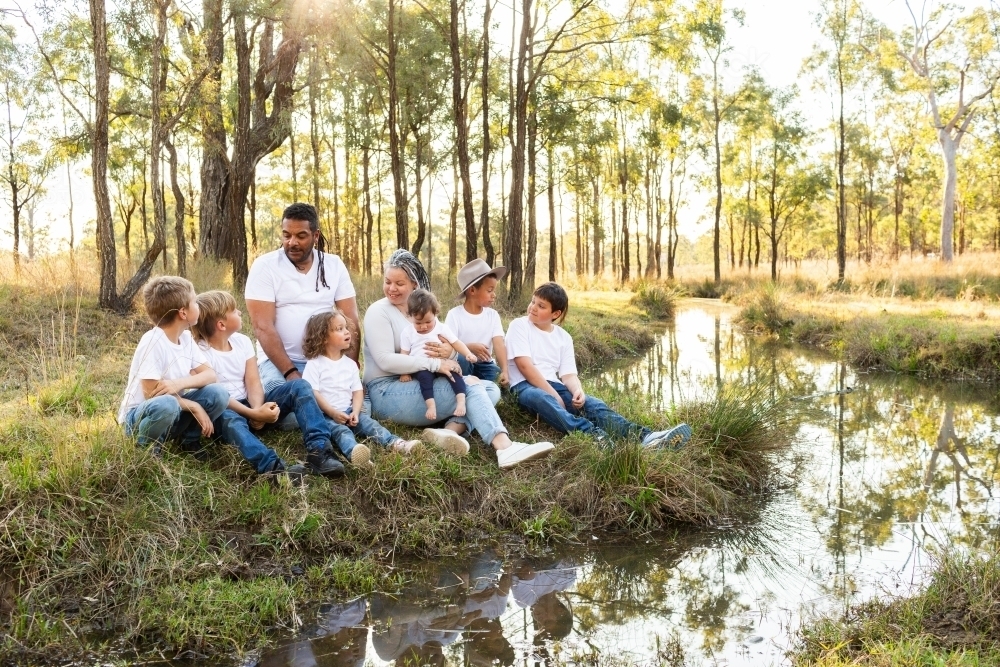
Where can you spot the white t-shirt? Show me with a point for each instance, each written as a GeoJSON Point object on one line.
{"type": "Point", "coordinates": [275, 279]}
{"type": "Point", "coordinates": [231, 367]}
{"type": "Point", "coordinates": [156, 358]}
{"type": "Point", "coordinates": [550, 351]}
{"type": "Point", "coordinates": [414, 342]}
{"type": "Point", "coordinates": [336, 381]}
{"type": "Point", "coordinates": [481, 328]}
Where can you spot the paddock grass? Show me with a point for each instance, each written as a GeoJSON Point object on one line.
{"type": "Point", "coordinates": [105, 549]}
{"type": "Point", "coordinates": [954, 622]}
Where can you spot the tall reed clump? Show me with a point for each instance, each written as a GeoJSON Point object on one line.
{"type": "Point", "coordinates": [764, 311]}
{"type": "Point", "coordinates": [954, 621]}
{"type": "Point", "coordinates": [655, 299]}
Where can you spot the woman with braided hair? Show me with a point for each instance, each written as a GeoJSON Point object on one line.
{"type": "Point", "coordinates": [402, 402]}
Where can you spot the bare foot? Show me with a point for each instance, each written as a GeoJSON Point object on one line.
{"type": "Point", "coordinates": [459, 405]}
{"type": "Point", "coordinates": [432, 412]}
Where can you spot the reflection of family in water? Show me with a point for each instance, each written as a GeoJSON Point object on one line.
{"type": "Point", "coordinates": [469, 610]}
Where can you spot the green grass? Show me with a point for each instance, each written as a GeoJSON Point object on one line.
{"type": "Point", "coordinates": [955, 621]}
{"type": "Point", "coordinates": [98, 539]}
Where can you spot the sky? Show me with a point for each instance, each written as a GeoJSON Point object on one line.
{"type": "Point", "coordinates": [776, 37]}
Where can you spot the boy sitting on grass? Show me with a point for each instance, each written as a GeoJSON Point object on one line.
{"type": "Point", "coordinates": [170, 393]}
{"type": "Point", "coordinates": [231, 354]}
{"type": "Point", "coordinates": [543, 376]}
{"type": "Point", "coordinates": [476, 323]}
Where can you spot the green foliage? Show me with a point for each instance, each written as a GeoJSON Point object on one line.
{"type": "Point", "coordinates": [656, 300]}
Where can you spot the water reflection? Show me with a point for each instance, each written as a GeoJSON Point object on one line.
{"type": "Point", "coordinates": [883, 470]}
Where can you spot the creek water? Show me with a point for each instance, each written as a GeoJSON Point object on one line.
{"type": "Point", "coordinates": [882, 472]}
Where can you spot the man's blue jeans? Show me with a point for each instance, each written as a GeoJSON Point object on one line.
{"type": "Point", "coordinates": [344, 435]}
{"type": "Point", "coordinates": [157, 420]}
{"type": "Point", "coordinates": [595, 417]}
{"type": "Point", "coordinates": [484, 370]}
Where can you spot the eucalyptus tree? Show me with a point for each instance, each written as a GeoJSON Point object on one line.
{"type": "Point", "coordinates": [25, 162]}
{"type": "Point", "coordinates": [706, 22]}
{"type": "Point", "coordinates": [957, 57]}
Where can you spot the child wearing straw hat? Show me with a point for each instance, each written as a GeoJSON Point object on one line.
{"type": "Point", "coordinates": [477, 324]}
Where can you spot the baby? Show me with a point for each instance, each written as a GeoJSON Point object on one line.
{"type": "Point", "coordinates": [423, 309]}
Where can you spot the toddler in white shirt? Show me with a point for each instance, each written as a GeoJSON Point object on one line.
{"type": "Point", "coordinates": [423, 309]}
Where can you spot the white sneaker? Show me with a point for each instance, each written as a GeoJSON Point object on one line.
{"type": "Point", "coordinates": [447, 440]}
{"type": "Point", "coordinates": [361, 456]}
{"type": "Point", "coordinates": [672, 438]}
{"type": "Point", "coordinates": [519, 452]}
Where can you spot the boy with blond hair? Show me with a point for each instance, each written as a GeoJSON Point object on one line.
{"type": "Point", "coordinates": [231, 354]}
{"type": "Point", "coordinates": [170, 394]}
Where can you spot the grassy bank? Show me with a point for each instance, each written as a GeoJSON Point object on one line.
{"type": "Point", "coordinates": [103, 548]}
{"type": "Point", "coordinates": [939, 339]}
{"type": "Point", "coordinates": [955, 621]}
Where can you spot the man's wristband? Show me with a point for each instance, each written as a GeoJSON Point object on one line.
{"type": "Point", "coordinates": [291, 370]}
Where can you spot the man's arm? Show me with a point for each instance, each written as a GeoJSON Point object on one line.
{"type": "Point", "coordinates": [262, 314]}
{"type": "Point", "coordinates": [349, 307]}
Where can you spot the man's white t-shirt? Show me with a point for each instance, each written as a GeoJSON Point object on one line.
{"type": "Point", "coordinates": [336, 381]}
{"type": "Point", "coordinates": [550, 351]}
{"type": "Point", "coordinates": [156, 358]}
{"type": "Point", "coordinates": [231, 367]}
{"type": "Point", "coordinates": [275, 279]}
{"type": "Point", "coordinates": [414, 342]}
{"type": "Point", "coordinates": [481, 328]}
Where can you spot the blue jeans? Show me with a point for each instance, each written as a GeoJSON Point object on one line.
{"type": "Point", "coordinates": [344, 435]}
{"type": "Point", "coordinates": [402, 403]}
{"type": "Point", "coordinates": [157, 420]}
{"type": "Point", "coordinates": [484, 370]}
{"type": "Point", "coordinates": [233, 428]}
{"type": "Point", "coordinates": [595, 417]}
{"type": "Point", "coordinates": [271, 377]}
{"type": "Point", "coordinates": [297, 397]}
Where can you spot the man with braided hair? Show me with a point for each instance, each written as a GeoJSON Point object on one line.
{"type": "Point", "coordinates": [289, 285]}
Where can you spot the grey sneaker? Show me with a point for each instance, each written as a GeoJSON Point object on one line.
{"type": "Point", "coordinates": [447, 440]}
{"type": "Point", "coordinates": [672, 438]}
{"type": "Point", "coordinates": [519, 452]}
{"type": "Point", "coordinates": [361, 457]}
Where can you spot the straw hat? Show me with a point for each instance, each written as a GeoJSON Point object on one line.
{"type": "Point", "coordinates": [475, 271]}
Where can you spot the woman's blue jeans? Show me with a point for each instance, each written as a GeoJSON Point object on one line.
{"type": "Point", "coordinates": [345, 436]}
{"type": "Point", "coordinates": [402, 403]}
{"type": "Point", "coordinates": [595, 417]}
{"type": "Point", "coordinates": [157, 420]}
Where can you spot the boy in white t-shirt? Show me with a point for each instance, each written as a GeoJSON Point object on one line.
{"type": "Point", "coordinates": [170, 394]}
{"type": "Point", "coordinates": [231, 354]}
{"type": "Point", "coordinates": [423, 309]}
{"type": "Point", "coordinates": [477, 325]}
{"type": "Point", "coordinates": [543, 376]}
{"type": "Point", "coordinates": [336, 383]}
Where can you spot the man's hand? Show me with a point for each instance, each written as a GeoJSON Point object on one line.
{"type": "Point", "coordinates": [481, 351]}
{"type": "Point", "coordinates": [202, 418]}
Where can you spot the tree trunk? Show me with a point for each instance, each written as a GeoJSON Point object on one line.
{"type": "Point", "coordinates": [623, 180]}
{"type": "Point", "coordinates": [458, 98]}
{"type": "Point", "coordinates": [179, 207]}
{"type": "Point", "coordinates": [395, 157]}
{"type": "Point", "coordinates": [552, 213]}
{"type": "Point", "coordinates": [949, 150]}
{"type": "Point", "coordinates": [108, 290]}
{"type": "Point", "coordinates": [532, 254]}
{"type": "Point", "coordinates": [453, 219]}
{"type": "Point", "coordinates": [716, 144]}
{"type": "Point", "coordinates": [314, 127]}
{"type": "Point", "coordinates": [484, 216]}
{"type": "Point", "coordinates": [369, 221]}
{"type": "Point", "coordinates": [214, 238]}
{"type": "Point", "coordinates": [419, 186]}
{"type": "Point", "coordinates": [515, 217]}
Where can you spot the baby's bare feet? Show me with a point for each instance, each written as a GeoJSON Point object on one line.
{"type": "Point", "coordinates": [459, 405]}
{"type": "Point", "coordinates": [432, 412]}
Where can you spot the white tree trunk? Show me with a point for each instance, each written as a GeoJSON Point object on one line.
{"type": "Point", "coordinates": [949, 149]}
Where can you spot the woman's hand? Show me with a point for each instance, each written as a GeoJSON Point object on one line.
{"type": "Point", "coordinates": [442, 350]}
{"type": "Point", "coordinates": [449, 366]}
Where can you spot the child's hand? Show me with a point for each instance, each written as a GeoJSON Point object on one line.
{"type": "Point", "coordinates": [481, 351]}
{"type": "Point", "coordinates": [504, 380]}
{"type": "Point", "coordinates": [579, 398]}
{"type": "Point", "coordinates": [340, 417]}
{"type": "Point", "coordinates": [268, 413]}
{"type": "Point", "coordinates": [405, 378]}
{"type": "Point", "coordinates": [352, 420]}
{"type": "Point", "coordinates": [471, 358]}
{"type": "Point", "coordinates": [167, 387]}
{"type": "Point", "coordinates": [255, 425]}
{"type": "Point", "coordinates": [202, 418]}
